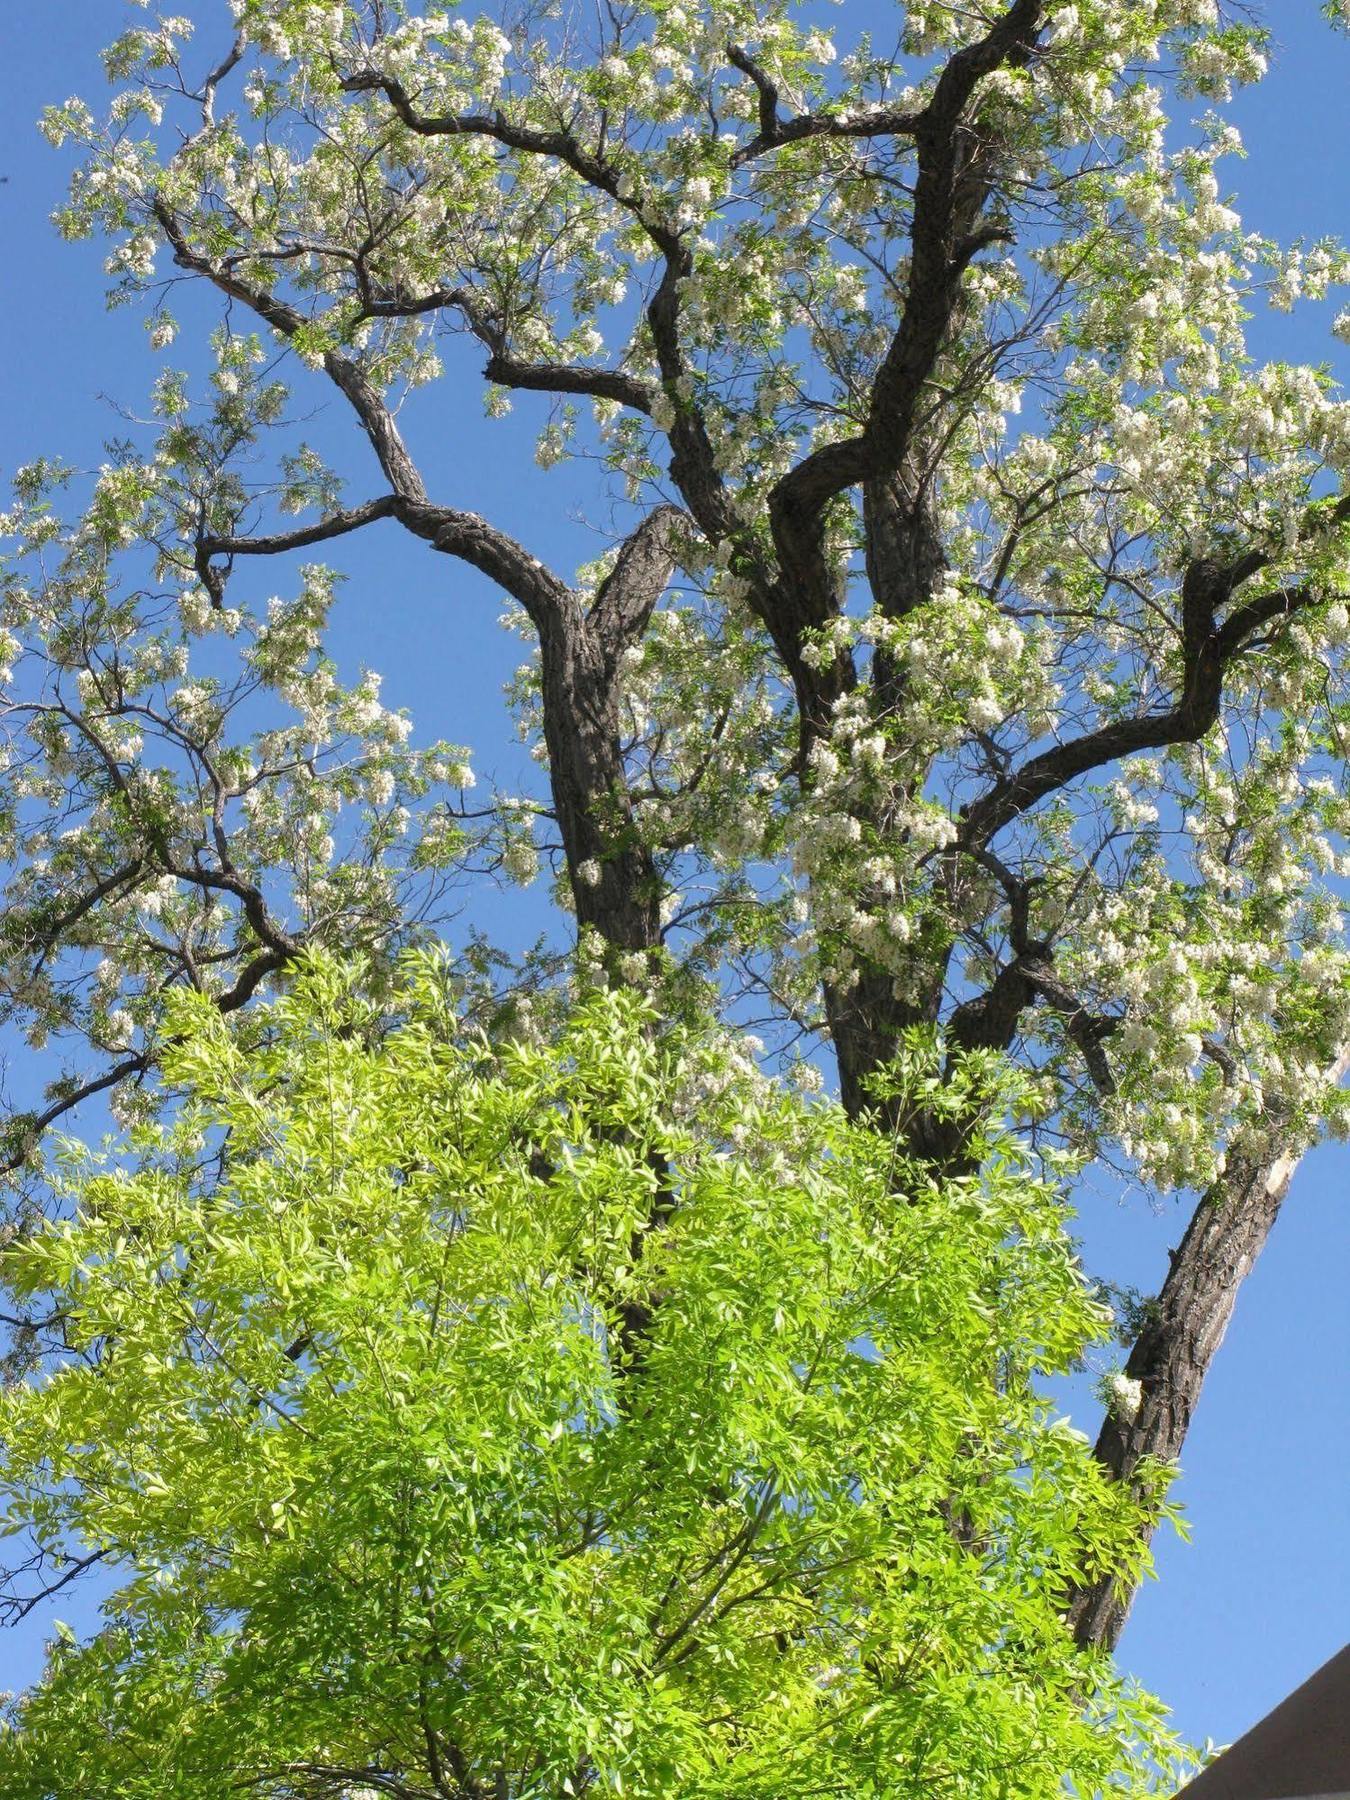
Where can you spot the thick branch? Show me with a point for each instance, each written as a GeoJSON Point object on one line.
{"type": "Point", "coordinates": [693, 463]}
{"type": "Point", "coordinates": [580, 714]}
{"type": "Point", "coordinates": [990, 1021]}
{"type": "Point", "coordinates": [956, 168]}
{"type": "Point", "coordinates": [465, 535]}
{"type": "Point", "coordinates": [252, 976]}
{"type": "Point", "coordinates": [1087, 1031]}
{"type": "Point", "coordinates": [770, 125]}
{"type": "Point", "coordinates": [955, 173]}
{"type": "Point", "coordinates": [1321, 517]}
{"type": "Point", "coordinates": [625, 598]}
{"type": "Point", "coordinates": [1181, 1338]}
{"type": "Point", "coordinates": [502, 367]}
{"type": "Point", "coordinates": [570, 378]}
{"type": "Point", "coordinates": [545, 596]}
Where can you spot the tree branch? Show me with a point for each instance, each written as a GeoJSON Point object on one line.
{"type": "Point", "coordinates": [376, 419]}
{"type": "Point", "coordinates": [1087, 1031]}
{"type": "Point", "coordinates": [955, 170]}
{"type": "Point", "coordinates": [16, 1607]}
{"type": "Point", "coordinates": [626, 597]}
{"type": "Point", "coordinates": [545, 596]}
{"type": "Point", "coordinates": [25, 1129]}
{"type": "Point", "coordinates": [51, 933]}
{"type": "Point", "coordinates": [1182, 1335]}
{"type": "Point", "coordinates": [463, 534]}
{"type": "Point", "coordinates": [336, 525]}
{"type": "Point", "coordinates": [770, 125]}
{"type": "Point", "coordinates": [693, 466]}
{"type": "Point", "coordinates": [562, 146]}
{"type": "Point", "coordinates": [1207, 650]}
{"type": "Point", "coordinates": [775, 131]}
{"type": "Point", "coordinates": [570, 378]}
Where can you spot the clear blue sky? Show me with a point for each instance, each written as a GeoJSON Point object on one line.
{"type": "Point", "coordinates": [1260, 1597]}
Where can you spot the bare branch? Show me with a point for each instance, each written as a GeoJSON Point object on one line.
{"type": "Point", "coordinates": [337, 525]}
{"type": "Point", "coordinates": [571, 378]}
{"type": "Point", "coordinates": [15, 1607]}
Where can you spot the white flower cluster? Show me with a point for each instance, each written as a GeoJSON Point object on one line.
{"type": "Point", "coordinates": [967, 666]}
{"type": "Point", "coordinates": [1121, 1395]}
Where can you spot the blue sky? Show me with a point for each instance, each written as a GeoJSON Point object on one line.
{"type": "Point", "coordinates": [1259, 1598]}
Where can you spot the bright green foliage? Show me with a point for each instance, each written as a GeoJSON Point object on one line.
{"type": "Point", "coordinates": [418, 1490]}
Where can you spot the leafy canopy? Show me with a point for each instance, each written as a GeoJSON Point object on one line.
{"type": "Point", "coordinates": [541, 1419]}
{"type": "Point", "coordinates": [968, 647]}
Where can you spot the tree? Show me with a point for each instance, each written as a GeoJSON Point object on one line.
{"type": "Point", "coordinates": [880, 713]}
{"type": "Point", "coordinates": [402, 1504]}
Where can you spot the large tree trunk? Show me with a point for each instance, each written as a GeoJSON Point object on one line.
{"type": "Point", "coordinates": [1173, 1353]}
{"type": "Point", "coordinates": [613, 880]}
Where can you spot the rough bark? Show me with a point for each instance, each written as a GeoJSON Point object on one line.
{"type": "Point", "coordinates": [1181, 1338]}
{"type": "Point", "coordinates": [590, 792]}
